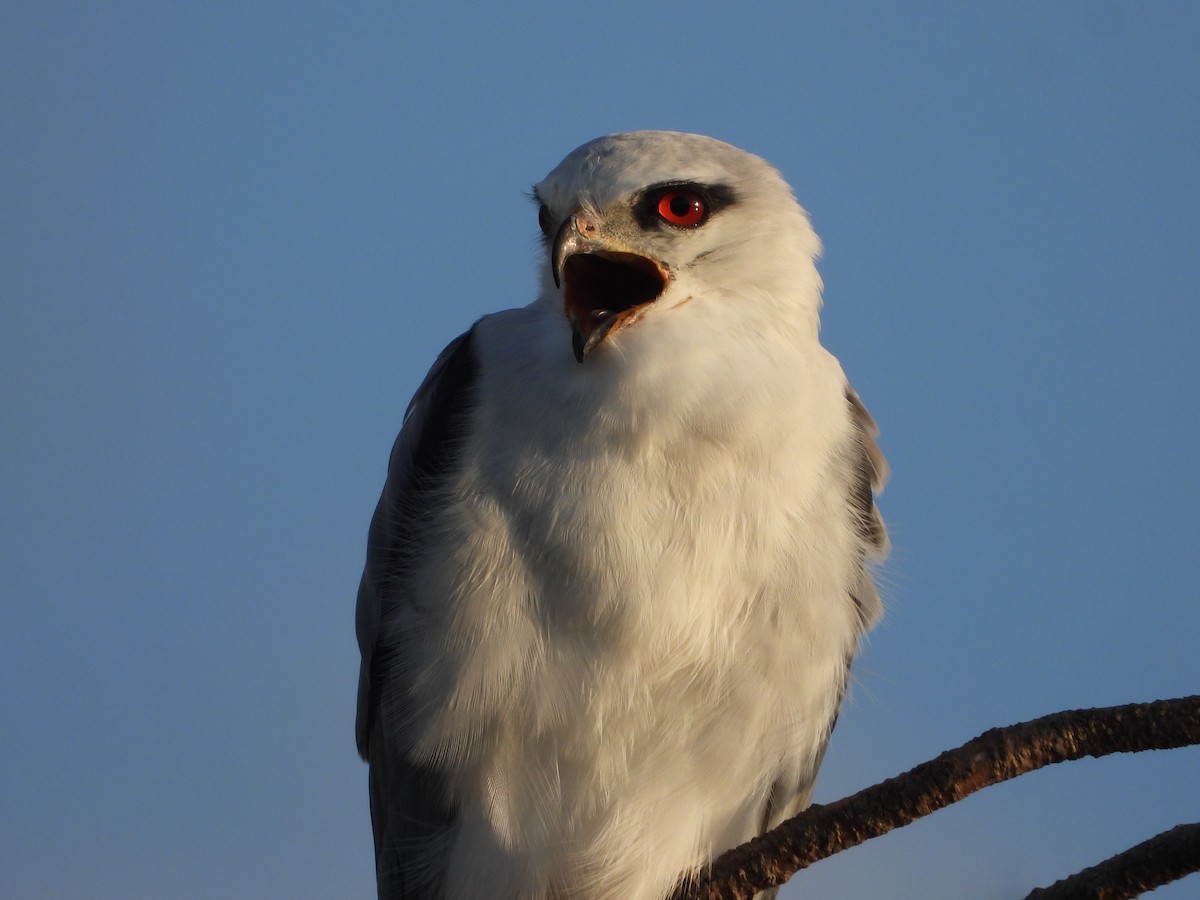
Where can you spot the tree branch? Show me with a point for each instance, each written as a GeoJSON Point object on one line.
{"type": "Point", "coordinates": [1151, 864]}
{"type": "Point", "coordinates": [995, 756]}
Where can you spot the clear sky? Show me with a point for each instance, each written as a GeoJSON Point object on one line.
{"type": "Point", "coordinates": [233, 237]}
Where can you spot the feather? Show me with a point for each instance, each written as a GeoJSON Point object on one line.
{"type": "Point", "coordinates": [618, 574]}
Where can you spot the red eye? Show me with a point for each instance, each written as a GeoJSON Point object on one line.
{"type": "Point", "coordinates": [683, 209]}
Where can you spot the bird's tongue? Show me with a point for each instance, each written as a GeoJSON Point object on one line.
{"type": "Point", "coordinates": [605, 291]}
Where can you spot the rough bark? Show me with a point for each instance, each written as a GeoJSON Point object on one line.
{"type": "Point", "coordinates": [995, 756]}
{"type": "Point", "coordinates": [1158, 861]}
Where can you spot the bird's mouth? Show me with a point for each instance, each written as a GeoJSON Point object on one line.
{"type": "Point", "coordinates": [606, 290]}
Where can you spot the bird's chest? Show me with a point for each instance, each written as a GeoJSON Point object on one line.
{"type": "Point", "coordinates": [614, 624]}
{"type": "Point", "coordinates": [589, 580]}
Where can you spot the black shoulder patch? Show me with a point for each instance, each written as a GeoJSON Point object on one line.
{"type": "Point", "coordinates": [452, 387]}
{"type": "Point", "coordinates": [422, 458]}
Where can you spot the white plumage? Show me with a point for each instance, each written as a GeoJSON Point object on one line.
{"type": "Point", "coordinates": [619, 568]}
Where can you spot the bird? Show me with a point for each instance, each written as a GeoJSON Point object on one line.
{"type": "Point", "coordinates": [626, 548]}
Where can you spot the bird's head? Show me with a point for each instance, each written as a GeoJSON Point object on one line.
{"type": "Point", "coordinates": [639, 225]}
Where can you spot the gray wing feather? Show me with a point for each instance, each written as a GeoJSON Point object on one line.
{"type": "Point", "coordinates": [869, 473]}
{"type": "Point", "coordinates": [409, 813]}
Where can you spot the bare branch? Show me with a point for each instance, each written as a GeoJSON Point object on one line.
{"type": "Point", "coordinates": [1158, 861]}
{"type": "Point", "coordinates": [995, 756]}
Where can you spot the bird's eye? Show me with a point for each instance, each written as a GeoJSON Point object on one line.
{"type": "Point", "coordinates": [681, 208]}
{"type": "Point", "coordinates": [545, 220]}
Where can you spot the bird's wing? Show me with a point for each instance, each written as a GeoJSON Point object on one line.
{"type": "Point", "coordinates": [868, 471]}
{"type": "Point", "coordinates": [869, 475]}
{"type": "Point", "coordinates": [408, 811]}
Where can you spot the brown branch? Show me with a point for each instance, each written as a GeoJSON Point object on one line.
{"type": "Point", "coordinates": [993, 757]}
{"type": "Point", "coordinates": [1158, 861]}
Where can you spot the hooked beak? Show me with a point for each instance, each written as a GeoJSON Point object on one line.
{"type": "Point", "coordinates": [605, 285]}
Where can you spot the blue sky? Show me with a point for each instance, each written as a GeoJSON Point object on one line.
{"type": "Point", "coordinates": [234, 237]}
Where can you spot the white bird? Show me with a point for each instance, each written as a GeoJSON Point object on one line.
{"type": "Point", "coordinates": [622, 559]}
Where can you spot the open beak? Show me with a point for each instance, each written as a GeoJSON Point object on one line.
{"type": "Point", "coordinates": [605, 285]}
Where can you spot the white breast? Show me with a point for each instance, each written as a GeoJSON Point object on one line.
{"type": "Point", "coordinates": [635, 613]}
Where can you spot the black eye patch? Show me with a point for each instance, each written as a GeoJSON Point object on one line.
{"type": "Point", "coordinates": [545, 220]}
{"type": "Point", "coordinates": [714, 198]}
